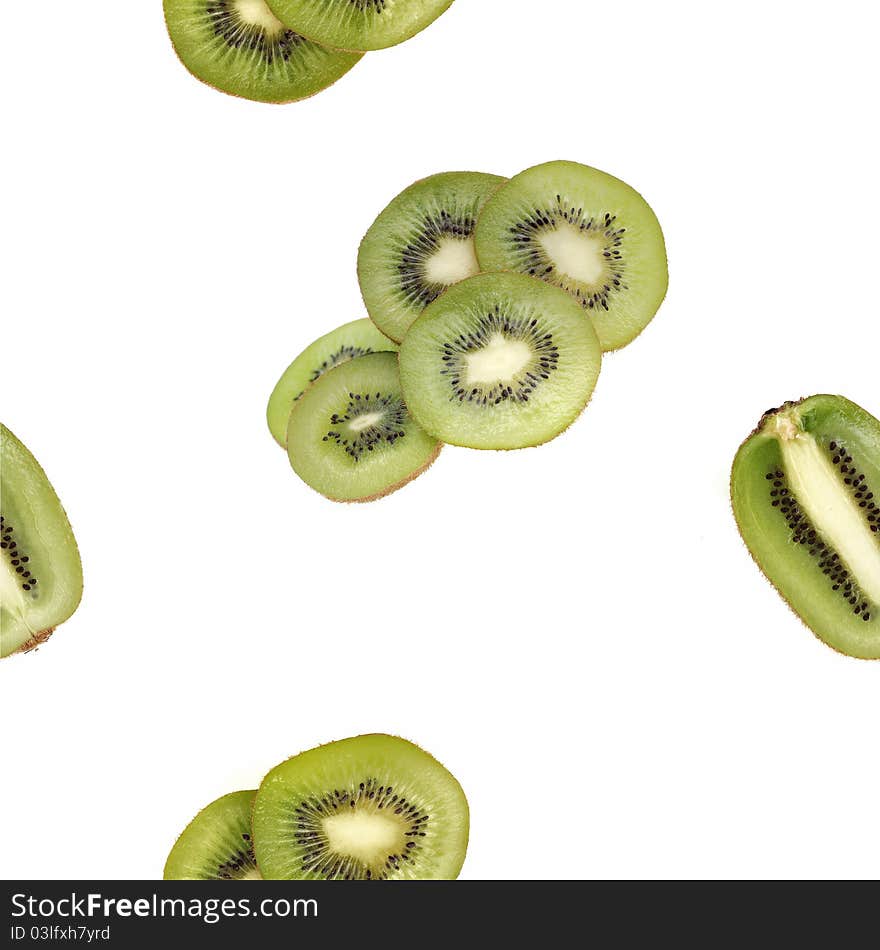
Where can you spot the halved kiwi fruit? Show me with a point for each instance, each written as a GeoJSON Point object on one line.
{"type": "Point", "coordinates": [586, 232]}
{"type": "Point", "coordinates": [374, 807]}
{"type": "Point", "coordinates": [333, 349]}
{"type": "Point", "coordinates": [241, 47]}
{"type": "Point", "coordinates": [500, 361]}
{"type": "Point", "coordinates": [350, 435]}
{"type": "Point", "coordinates": [41, 580]}
{"type": "Point", "coordinates": [421, 243]}
{"type": "Point", "coordinates": [359, 24]}
{"type": "Point", "coordinates": [217, 844]}
{"type": "Point", "coordinates": [805, 489]}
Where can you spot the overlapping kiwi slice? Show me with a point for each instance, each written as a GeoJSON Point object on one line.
{"type": "Point", "coordinates": [350, 435]}
{"type": "Point", "coordinates": [586, 232]}
{"type": "Point", "coordinates": [805, 489]}
{"type": "Point", "coordinates": [359, 24]}
{"type": "Point", "coordinates": [374, 807]}
{"type": "Point", "coordinates": [421, 244]}
{"type": "Point", "coordinates": [345, 343]}
{"type": "Point", "coordinates": [500, 361]}
{"type": "Point", "coordinates": [242, 48]}
{"type": "Point", "coordinates": [41, 580]}
{"type": "Point", "coordinates": [217, 845]}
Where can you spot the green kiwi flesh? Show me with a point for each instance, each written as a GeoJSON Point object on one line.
{"type": "Point", "coordinates": [373, 807]}
{"type": "Point", "coordinates": [240, 47]}
{"type": "Point", "coordinates": [586, 232]}
{"type": "Point", "coordinates": [500, 361]}
{"type": "Point", "coordinates": [217, 844]}
{"type": "Point", "coordinates": [420, 244]}
{"type": "Point", "coordinates": [359, 24]}
{"type": "Point", "coordinates": [805, 490]}
{"type": "Point", "coordinates": [350, 435]}
{"type": "Point", "coordinates": [345, 343]}
{"type": "Point", "coordinates": [41, 580]}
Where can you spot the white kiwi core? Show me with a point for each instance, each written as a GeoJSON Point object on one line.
{"type": "Point", "coordinates": [257, 13]}
{"type": "Point", "coordinates": [364, 835]}
{"type": "Point", "coordinates": [454, 260]}
{"type": "Point", "coordinates": [576, 254]}
{"type": "Point", "coordinates": [498, 361]}
{"type": "Point", "coordinates": [364, 421]}
{"type": "Point", "coordinates": [832, 510]}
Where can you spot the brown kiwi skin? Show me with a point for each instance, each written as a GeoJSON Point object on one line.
{"type": "Point", "coordinates": [782, 597]}
{"type": "Point", "coordinates": [241, 98]}
{"type": "Point", "coordinates": [37, 640]}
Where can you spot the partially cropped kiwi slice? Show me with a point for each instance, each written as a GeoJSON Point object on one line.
{"type": "Point", "coordinates": [339, 346]}
{"type": "Point", "coordinates": [500, 361]}
{"type": "Point", "coordinates": [369, 808]}
{"type": "Point", "coordinates": [350, 435]}
{"type": "Point", "coordinates": [217, 844]}
{"type": "Point", "coordinates": [241, 47]}
{"type": "Point", "coordinates": [41, 579]}
{"type": "Point", "coordinates": [805, 489]}
{"type": "Point", "coordinates": [422, 243]}
{"type": "Point", "coordinates": [359, 24]}
{"type": "Point", "coordinates": [586, 232]}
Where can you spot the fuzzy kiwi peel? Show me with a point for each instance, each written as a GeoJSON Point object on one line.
{"type": "Point", "coordinates": [241, 48]}
{"type": "Point", "coordinates": [217, 845]}
{"type": "Point", "coordinates": [805, 491]}
{"type": "Point", "coordinates": [373, 807]}
{"type": "Point", "coordinates": [348, 342]}
{"type": "Point", "coordinates": [361, 25]}
{"type": "Point", "coordinates": [41, 580]}
{"type": "Point", "coordinates": [351, 437]}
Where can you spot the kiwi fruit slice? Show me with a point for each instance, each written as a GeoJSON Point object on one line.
{"type": "Point", "coordinates": [359, 24]}
{"type": "Point", "coordinates": [350, 435]}
{"type": "Point", "coordinates": [217, 844]}
{"type": "Point", "coordinates": [339, 346]}
{"type": "Point", "coordinates": [500, 361]}
{"type": "Point", "coordinates": [586, 232]}
{"type": "Point", "coordinates": [805, 489]}
{"type": "Point", "coordinates": [241, 47]}
{"type": "Point", "coordinates": [373, 807]}
{"type": "Point", "coordinates": [41, 580]}
{"type": "Point", "coordinates": [421, 244]}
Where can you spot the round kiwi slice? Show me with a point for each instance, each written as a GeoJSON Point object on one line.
{"type": "Point", "coordinates": [240, 47]}
{"type": "Point", "coordinates": [369, 808]}
{"type": "Point", "coordinates": [41, 580]}
{"type": "Point", "coordinates": [217, 844]}
{"type": "Point", "coordinates": [350, 435]}
{"type": "Point", "coordinates": [500, 361]}
{"type": "Point", "coordinates": [805, 489]}
{"type": "Point", "coordinates": [359, 24]}
{"type": "Point", "coordinates": [339, 346]}
{"type": "Point", "coordinates": [421, 244]}
{"type": "Point", "coordinates": [586, 232]}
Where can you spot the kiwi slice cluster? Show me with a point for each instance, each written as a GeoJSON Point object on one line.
{"type": "Point", "coordinates": [41, 581]}
{"type": "Point", "coordinates": [372, 808]}
{"type": "Point", "coordinates": [492, 302]}
{"type": "Point", "coordinates": [285, 50]}
{"type": "Point", "coordinates": [805, 490]}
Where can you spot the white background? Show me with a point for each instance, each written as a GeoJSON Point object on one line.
{"type": "Point", "coordinates": [577, 632]}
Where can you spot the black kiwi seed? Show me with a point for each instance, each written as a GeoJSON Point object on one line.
{"type": "Point", "coordinates": [545, 359]}
{"type": "Point", "coordinates": [538, 264]}
{"type": "Point", "coordinates": [416, 288]}
{"type": "Point", "coordinates": [17, 558]}
{"type": "Point", "coordinates": [803, 532]}
{"type": "Point", "coordinates": [389, 428]}
{"type": "Point", "coordinates": [318, 858]}
{"type": "Point", "coordinates": [228, 25]}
